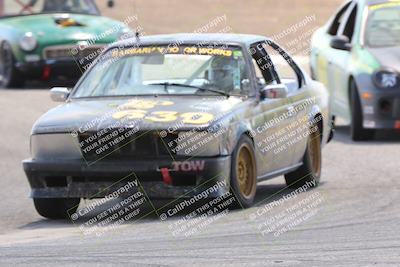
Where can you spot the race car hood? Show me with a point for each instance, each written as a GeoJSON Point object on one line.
{"type": "Point", "coordinates": [96, 114]}
{"type": "Point", "coordinates": [388, 57]}
{"type": "Point", "coordinates": [53, 29]}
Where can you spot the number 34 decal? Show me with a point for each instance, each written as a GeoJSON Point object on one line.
{"type": "Point", "coordinates": [164, 116]}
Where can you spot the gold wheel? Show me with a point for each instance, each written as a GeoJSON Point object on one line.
{"type": "Point", "coordinates": [246, 171]}
{"type": "Point", "coordinates": [314, 148]}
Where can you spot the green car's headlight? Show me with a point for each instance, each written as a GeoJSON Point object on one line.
{"type": "Point", "coordinates": [28, 42]}
{"type": "Point", "coordinates": [125, 33]}
{"type": "Point", "coordinates": [386, 79]}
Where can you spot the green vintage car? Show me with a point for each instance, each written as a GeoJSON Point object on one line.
{"type": "Point", "coordinates": [44, 39]}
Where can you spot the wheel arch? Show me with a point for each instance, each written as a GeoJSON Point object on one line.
{"type": "Point", "coordinates": [240, 129]}
{"type": "Point", "coordinates": [350, 81]}
{"type": "Point", "coordinates": [320, 125]}
{"type": "Point", "coordinates": [313, 118]}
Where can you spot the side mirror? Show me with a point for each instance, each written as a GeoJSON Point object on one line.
{"type": "Point", "coordinates": [341, 43]}
{"type": "Point", "coordinates": [245, 85]}
{"type": "Point", "coordinates": [110, 3]}
{"type": "Point", "coordinates": [59, 94]}
{"type": "Point", "coordinates": [274, 91]}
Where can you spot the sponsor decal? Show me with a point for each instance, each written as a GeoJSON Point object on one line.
{"type": "Point", "coordinates": [144, 104]}
{"type": "Point", "coordinates": [187, 166]}
{"type": "Point", "coordinates": [185, 50]}
{"type": "Point", "coordinates": [392, 3]}
{"type": "Point", "coordinates": [369, 124]}
{"type": "Point", "coordinates": [164, 116]}
{"type": "Point", "coordinates": [369, 110]}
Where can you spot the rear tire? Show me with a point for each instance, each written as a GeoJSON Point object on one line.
{"type": "Point", "coordinates": [244, 173]}
{"type": "Point", "coordinates": [56, 208]}
{"type": "Point", "coordinates": [310, 171]}
{"type": "Point", "coordinates": [10, 77]}
{"type": "Point", "coordinates": [358, 132]}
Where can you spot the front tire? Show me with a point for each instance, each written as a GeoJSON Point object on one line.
{"type": "Point", "coordinates": [358, 132]}
{"type": "Point", "coordinates": [244, 173]}
{"type": "Point", "coordinates": [9, 75]}
{"type": "Point", "coordinates": [56, 208]}
{"type": "Point", "coordinates": [310, 172]}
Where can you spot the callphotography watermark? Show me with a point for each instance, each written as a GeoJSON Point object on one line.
{"type": "Point", "coordinates": [107, 133]}
{"type": "Point", "coordinates": [85, 52]}
{"type": "Point", "coordinates": [288, 212]}
{"type": "Point", "coordinates": [294, 28]}
{"type": "Point", "coordinates": [301, 44]}
{"type": "Point", "coordinates": [104, 214]}
{"type": "Point", "coordinates": [198, 139]}
{"type": "Point", "coordinates": [192, 216]}
{"type": "Point", "coordinates": [299, 125]}
{"type": "Point", "coordinates": [211, 24]}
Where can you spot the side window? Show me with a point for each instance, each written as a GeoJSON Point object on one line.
{"type": "Point", "coordinates": [350, 24]}
{"type": "Point", "coordinates": [338, 20]}
{"type": "Point", "coordinates": [262, 65]}
{"type": "Point", "coordinates": [259, 75]}
{"type": "Point", "coordinates": [284, 67]}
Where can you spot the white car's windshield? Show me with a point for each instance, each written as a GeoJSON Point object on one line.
{"type": "Point", "coordinates": [383, 25]}
{"type": "Point", "coordinates": [166, 70]}
{"type": "Point", "coordinates": [28, 7]}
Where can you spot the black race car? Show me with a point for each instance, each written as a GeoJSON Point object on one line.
{"type": "Point", "coordinates": [180, 113]}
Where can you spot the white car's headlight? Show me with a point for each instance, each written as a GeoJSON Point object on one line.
{"type": "Point", "coordinates": [386, 79]}
{"type": "Point", "coordinates": [28, 42]}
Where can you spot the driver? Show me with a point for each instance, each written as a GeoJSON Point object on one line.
{"type": "Point", "coordinates": [221, 73]}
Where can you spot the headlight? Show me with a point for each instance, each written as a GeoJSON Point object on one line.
{"type": "Point", "coordinates": [55, 146]}
{"type": "Point", "coordinates": [125, 33]}
{"type": "Point", "coordinates": [28, 42]}
{"type": "Point", "coordinates": [386, 79]}
{"type": "Point", "coordinates": [194, 143]}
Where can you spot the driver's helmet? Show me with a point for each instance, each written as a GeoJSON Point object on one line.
{"type": "Point", "coordinates": [222, 73]}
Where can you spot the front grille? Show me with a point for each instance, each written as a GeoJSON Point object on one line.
{"type": "Point", "coordinates": [56, 181]}
{"type": "Point", "coordinates": [68, 52]}
{"type": "Point", "coordinates": [167, 144]}
{"type": "Point", "coordinates": [123, 144]}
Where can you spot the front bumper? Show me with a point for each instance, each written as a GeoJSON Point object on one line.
{"type": "Point", "coordinates": [46, 69]}
{"type": "Point", "coordinates": [382, 110]}
{"type": "Point", "coordinates": [76, 179]}
{"type": "Point", "coordinates": [381, 107]}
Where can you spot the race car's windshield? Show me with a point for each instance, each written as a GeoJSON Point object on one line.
{"type": "Point", "coordinates": [29, 7]}
{"type": "Point", "coordinates": [154, 70]}
{"type": "Point", "coordinates": [383, 25]}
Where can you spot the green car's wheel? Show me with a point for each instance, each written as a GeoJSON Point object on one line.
{"type": "Point", "coordinates": [244, 172]}
{"type": "Point", "coordinates": [358, 132]}
{"type": "Point", "coordinates": [56, 208]}
{"type": "Point", "coordinates": [9, 75]}
{"type": "Point", "coordinates": [310, 171]}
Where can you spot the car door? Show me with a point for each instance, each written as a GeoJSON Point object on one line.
{"type": "Point", "coordinates": [338, 65]}
{"type": "Point", "coordinates": [323, 55]}
{"type": "Point", "coordinates": [300, 101]}
{"type": "Point", "coordinates": [269, 137]}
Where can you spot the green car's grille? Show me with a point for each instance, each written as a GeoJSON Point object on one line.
{"type": "Point", "coordinates": [69, 52]}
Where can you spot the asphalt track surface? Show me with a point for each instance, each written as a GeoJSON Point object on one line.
{"type": "Point", "coordinates": [353, 219]}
